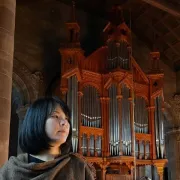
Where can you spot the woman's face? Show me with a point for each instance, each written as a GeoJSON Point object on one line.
{"type": "Point", "coordinates": [57, 127]}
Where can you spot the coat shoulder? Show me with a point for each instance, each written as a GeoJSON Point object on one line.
{"type": "Point", "coordinates": [87, 164]}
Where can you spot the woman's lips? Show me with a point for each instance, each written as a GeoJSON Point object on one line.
{"type": "Point", "coordinates": [61, 131]}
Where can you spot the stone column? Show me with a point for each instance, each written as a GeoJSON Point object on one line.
{"type": "Point", "coordinates": [173, 138]}
{"type": "Point", "coordinates": [7, 26]}
{"type": "Point", "coordinates": [173, 149]}
{"type": "Point", "coordinates": [21, 112]}
{"type": "Point", "coordinates": [178, 82]}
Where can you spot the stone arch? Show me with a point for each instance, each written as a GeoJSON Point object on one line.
{"type": "Point", "coordinates": [27, 82]}
{"type": "Point", "coordinates": [25, 88]}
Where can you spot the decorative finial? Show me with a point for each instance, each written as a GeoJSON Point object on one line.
{"type": "Point", "coordinates": [73, 12]}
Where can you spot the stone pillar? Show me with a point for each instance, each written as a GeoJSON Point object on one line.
{"type": "Point", "coordinates": [173, 138]}
{"type": "Point", "coordinates": [7, 26]}
{"type": "Point", "coordinates": [178, 82]}
{"type": "Point", "coordinates": [21, 112]}
{"type": "Point", "coordinates": [173, 155]}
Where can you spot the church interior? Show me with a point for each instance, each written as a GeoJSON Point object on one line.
{"type": "Point", "coordinates": [116, 63]}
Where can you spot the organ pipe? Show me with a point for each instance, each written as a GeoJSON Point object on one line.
{"type": "Point", "coordinates": [141, 116]}
{"type": "Point", "coordinates": [118, 55]}
{"type": "Point", "coordinates": [91, 117]}
{"type": "Point", "coordinates": [126, 126]}
{"type": "Point", "coordinates": [91, 111]}
{"type": "Point", "coordinates": [72, 101]}
{"type": "Point", "coordinates": [114, 122]}
{"type": "Point", "coordinates": [159, 128]}
{"type": "Point", "coordinates": [84, 145]}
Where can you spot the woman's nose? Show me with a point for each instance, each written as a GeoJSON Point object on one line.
{"type": "Point", "coordinates": [62, 122]}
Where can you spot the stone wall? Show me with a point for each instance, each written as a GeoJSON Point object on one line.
{"type": "Point", "coordinates": [40, 27]}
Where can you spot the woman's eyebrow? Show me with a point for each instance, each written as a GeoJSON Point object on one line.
{"type": "Point", "coordinates": [56, 112]}
{"type": "Point", "coordinates": [66, 117]}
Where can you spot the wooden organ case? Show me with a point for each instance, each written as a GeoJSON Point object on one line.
{"type": "Point", "coordinates": [117, 109]}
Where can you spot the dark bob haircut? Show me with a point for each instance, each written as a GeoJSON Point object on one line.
{"type": "Point", "coordinates": [33, 138]}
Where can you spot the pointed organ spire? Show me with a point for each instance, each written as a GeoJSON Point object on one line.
{"type": "Point", "coordinates": [73, 12]}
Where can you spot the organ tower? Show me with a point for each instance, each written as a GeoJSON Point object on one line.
{"type": "Point", "coordinates": [117, 109]}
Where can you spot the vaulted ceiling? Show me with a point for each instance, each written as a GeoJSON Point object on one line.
{"type": "Point", "coordinates": [156, 23]}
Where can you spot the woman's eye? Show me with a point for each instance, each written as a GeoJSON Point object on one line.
{"type": "Point", "coordinates": [55, 116]}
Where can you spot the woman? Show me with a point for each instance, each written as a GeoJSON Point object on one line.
{"type": "Point", "coordinates": [46, 140]}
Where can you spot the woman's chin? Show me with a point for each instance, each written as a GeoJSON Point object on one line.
{"type": "Point", "coordinates": [60, 140]}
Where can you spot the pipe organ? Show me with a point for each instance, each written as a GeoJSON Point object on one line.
{"type": "Point", "coordinates": [117, 109]}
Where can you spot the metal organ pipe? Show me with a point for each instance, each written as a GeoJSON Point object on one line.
{"type": "Point", "coordinates": [126, 136]}
{"type": "Point", "coordinates": [156, 125]}
{"type": "Point", "coordinates": [114, 122]}
{"type": "Point", "coordinates": [148, 150]}
{"type": "Point", "coordinates": [159, 126]}
{"type": "Point", "coordinates": [91, 145]}
{"type": "Point", "coordinates": [88, 105]}
{"type": "Point", "coordinates": [72, 101]}
{"type": "Point", "coordinates": [84, 146]}
{"type": "Point", "coordinates": [76, 113]}
{"type": "Point", "coordinates": [91, 115]}
{"type": "Point", "coordinates": [141, 116]}
{"type": "Point", "coordinates": [110, 126]}
{"type": "Point", "coordinates": [113, 119]}
{"type": "Point", "coordinates": [118, 55]}
{"type": "Point", "coordinates": [117, 126]}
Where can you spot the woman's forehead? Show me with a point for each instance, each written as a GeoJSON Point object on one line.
{"type": "Point", "coordinates": [58, 109]}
